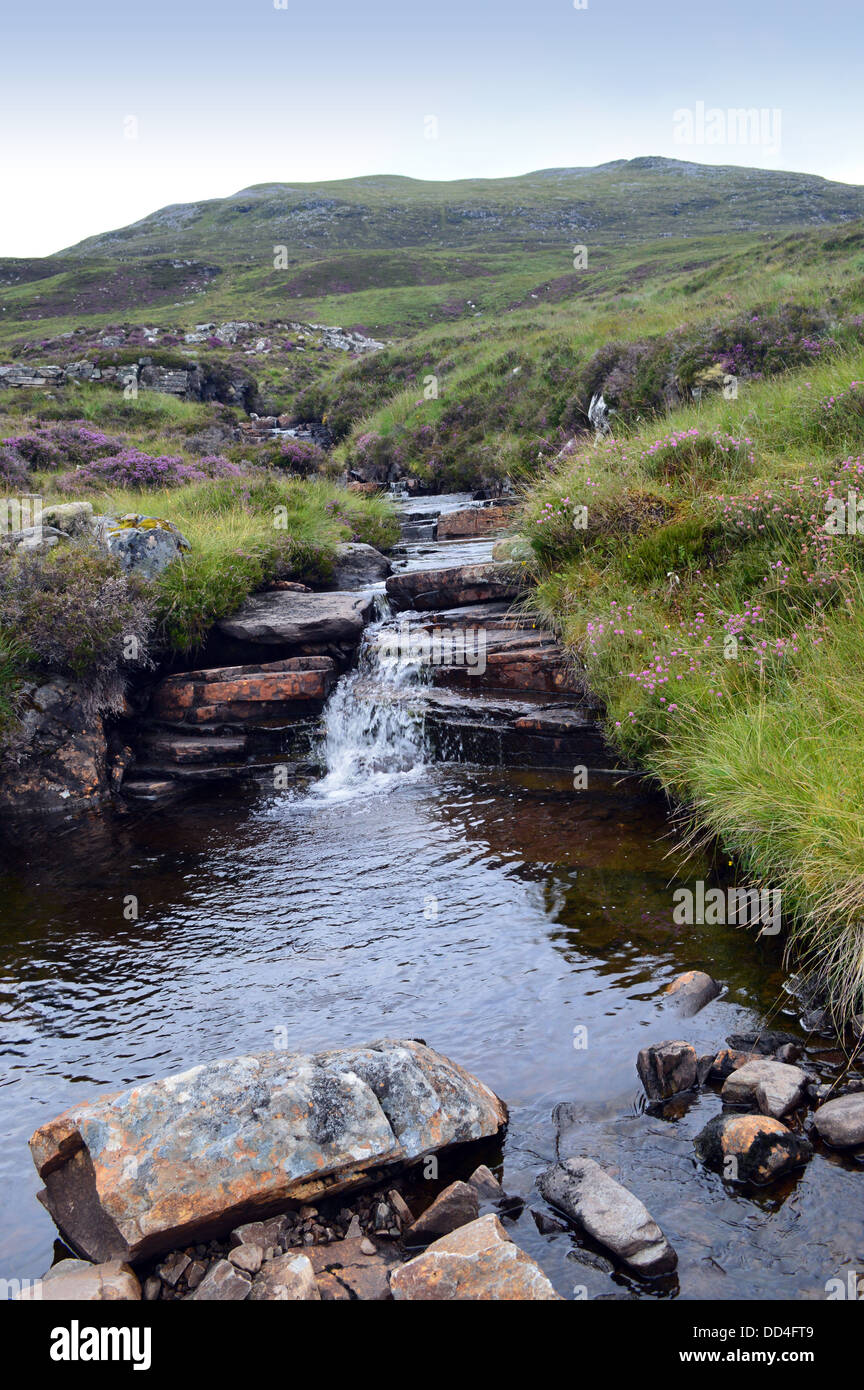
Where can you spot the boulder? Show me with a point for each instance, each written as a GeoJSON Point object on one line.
{"type": "Point", "coordinates": [774, 1087]}
{"type": "Point", "coordinates": [667, 1068]}
{"type": "Point", "coordinates": [359, 565]}
{"type": "Point", "coordinates": [479, 1263]}
{"type": "Point", "coordinates": [455, 1206]}
{"type": "Point", "coordinates": [485, 1184]}
{"type": "Point", "coordinates": [751, 1148]}
{"type": "Point", "coordinates": [142, 545]}
{"type": "Point", "coordinates": [513, 550]}
{"type": "Point", "coordinates": [609, 1213]}
{"type": "Point", "coordinates": [426, 590]}
{"type": "Point", "coordinates": [192, 1156]}
{"type": "Point", "coordinates": [285, 618]}
{"type": "Point", "coordinates": [841, 1122]}
{"type": "Point", "coordinates": [692, 991]}
{"type": "Point", "coordinates": [78, 1281]}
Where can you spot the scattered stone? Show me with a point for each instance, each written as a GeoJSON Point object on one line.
{"type": "Point", "coordinates": [751, 1148]}
{"type": "Point", "coordinates": [479, 1263]}
{"type": "Point", "coordinates": [222, 1283]}
{"type": "Point", "coordinates": [609, 1213]}
{"type": "Point", "coordinates": [455, 1206]}
{"type": "Point", "coordinates": [841, 1121]}
{"type": "Point", "coordinates": [366, 1246]}
{"type": "Point", "coordinates": [287, 1279]}
{"type": "Point", "coordinates": [78, 1281]}
{"type": "Point", "coordinates": [195, 1273]}
{"type": "Point", "coordinates": [775, 1087]}
{"type": "Point", "coordinates": [249, 1258]}
{"type": "Point", "coordinates": [151, 1168]}
{"type": "Point", "coordinates": [485, 1184]}
{"type": "Point", "coordinates": [692, 991]}
{"type": "Point", "coordinates": [152, 1289]}
{"type": "Point", "coordinates": [765, 1043]}
{"type": "Point", "coordinates": [667, 1068]}
{"type": "Point", "coordinates": [726, 1061]}
{"type": "Point", "coordinates": [171, 1271]}
{"type": "Point", "coordinates": [400, 1206]}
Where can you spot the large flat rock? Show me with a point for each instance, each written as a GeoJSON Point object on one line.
{"type": "Point", "coordinates": [286, 618]}
{"type": "Point", "coordinates": [191, 1156]}
{"type": "Point", "coordinates": [226, 694]}
{"type": "Point", "coordinates": [478, 1263]}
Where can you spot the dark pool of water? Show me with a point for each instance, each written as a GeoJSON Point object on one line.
{"type": "Point", "coordinates": [492, 914]}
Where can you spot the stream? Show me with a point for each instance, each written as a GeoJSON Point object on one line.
{"type": "Point", "coordinates": [518, 925]}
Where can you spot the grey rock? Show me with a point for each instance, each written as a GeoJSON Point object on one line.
{"type": "Point", "coordinates": [223, 1284]}
{"type": "Point", "coordinates": [774, 1087]}
{"type": "Point", "coordinates": [142, 545]}
{"type": "Point", "coordinates": [609, 1213]}
{"type": "Point", "coordinates": [287, 1279]}
{"type": "Point", "coordinates": [841, 1122]}
{"type": "Point", "coordinates": [287, 618]}
{"type": "Point", "coordinates": [358, 565]}
{"type": "Point", "coordinates": [78, 1281]}
{"type": "Point", "coordinates": [692, 991]}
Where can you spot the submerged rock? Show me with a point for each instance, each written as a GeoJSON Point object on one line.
{"type": "Point", "coordinates": [692, 991]}
{"type": "Point", "coordinates": [751, 1148]}
{"type": "Point", "coordinates": [841, 1121]}
{"type": "Point", "coordinates": [609, 1213]}
{"type": "Point", "coordinates": [193, 1155]}
{"type": "Point", "coordinates": [479, 1262]}
{"type": "Point", "coordinates": [667, 1068]}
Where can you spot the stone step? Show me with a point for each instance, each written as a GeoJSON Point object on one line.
{"type": "Point", "coordinates": [428, 590]}
{"type": "Point", "coordinates": [240, 694]}
{"type": "Point", "coordinates": [285, 618]}
{"type": "Point", "coordinates": [198, 750]}
{"type": "Point", "coordinates": [473, 521]}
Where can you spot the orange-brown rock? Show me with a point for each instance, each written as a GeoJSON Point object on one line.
{"type": "Point", "coordinates": [479, 1262]}
{"type": "Point", "coordinates": [242, 693]}
{"type": "Point", "coordinates": [751, 1148]}
{"type": "Point", "coordinates": [473, 521]}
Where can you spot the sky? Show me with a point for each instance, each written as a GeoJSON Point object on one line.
{"type": "Point", "coordinates": [109, 111]}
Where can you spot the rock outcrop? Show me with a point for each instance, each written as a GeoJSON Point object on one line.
{"type": "Point", "coordinates": [237, 694]}
{"type": "Point", "coordinates": [192, 1155]}
{"type": "Point", "coordinates": [426, 590]}
{"type": "Point", "coordinates": [60, 762]}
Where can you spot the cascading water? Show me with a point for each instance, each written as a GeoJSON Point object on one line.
{"type": "Point", "coordinates": [371, 732]}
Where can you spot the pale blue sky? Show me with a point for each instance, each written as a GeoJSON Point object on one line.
{"type": "Point", "coordinates": [234, 92]}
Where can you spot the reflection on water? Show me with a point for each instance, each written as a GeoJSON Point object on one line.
{"type": "Point", "coordinates": [491, 913]}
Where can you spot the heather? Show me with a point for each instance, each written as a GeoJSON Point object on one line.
{"type": "Point", "coordinates": [711, 592]}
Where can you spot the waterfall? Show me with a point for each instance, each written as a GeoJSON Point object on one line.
{"type": "Point", "coordinates": [371, 733]}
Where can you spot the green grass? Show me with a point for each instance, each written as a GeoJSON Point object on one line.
{"type": "Point", "coordinates": [688, 547]}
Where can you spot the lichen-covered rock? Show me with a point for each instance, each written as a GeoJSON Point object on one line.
{"type": "Point", "coordinates": [610, 1214]}
{"type": "Point", "coordinates": [193, 1155]}
{"type": "Point", "coordinates": [60, 758]}
{"type": "Point", "coordinates": [143, 545]}
{"type": "Point", "coordinates": [751, 1148]}
{"type": "Point", "coordinates": [479, 1262]}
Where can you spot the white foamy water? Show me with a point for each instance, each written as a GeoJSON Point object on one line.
{"type": "Point", "coordinates": [372, 736]}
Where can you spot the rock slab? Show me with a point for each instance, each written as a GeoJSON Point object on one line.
{"type": "Point", "coordinates": [285, 618]}
{"type": "Point", "coordinates": [191, 1156]}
